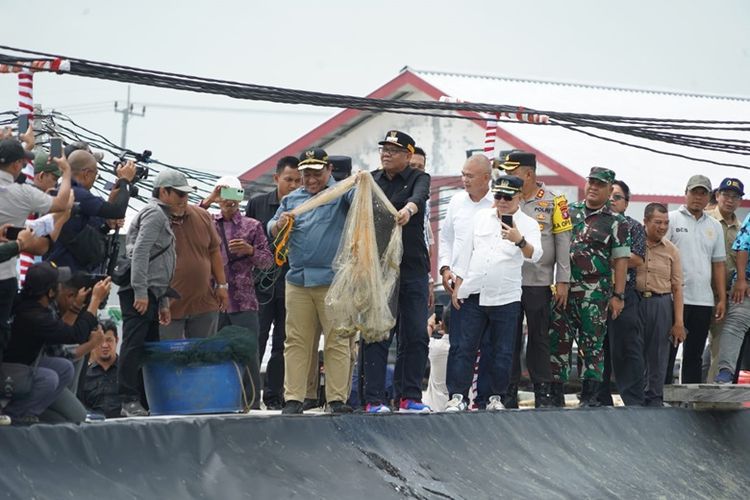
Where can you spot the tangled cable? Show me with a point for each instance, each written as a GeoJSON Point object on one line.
{"type": "Point", "coordinates": [658, 130]}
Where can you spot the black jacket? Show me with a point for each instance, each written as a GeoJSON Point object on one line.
{"type": "Point", "coordinates": [35, 325]}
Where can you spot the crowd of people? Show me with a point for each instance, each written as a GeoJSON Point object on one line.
{"type": "Point", "coordinates": [626, 293]}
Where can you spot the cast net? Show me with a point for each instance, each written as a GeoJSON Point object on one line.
{"type": "Point", "coordinates": [366, 266]}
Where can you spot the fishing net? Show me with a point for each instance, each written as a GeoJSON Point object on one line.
{"type": "Point", "coordinates": [231, 343]}
{"type": "Point", "coordinates": [366, 265]}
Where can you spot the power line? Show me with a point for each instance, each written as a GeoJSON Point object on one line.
{"type": "Point", "coordinates": [658, 130]}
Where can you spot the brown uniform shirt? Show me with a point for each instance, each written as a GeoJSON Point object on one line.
{"type": "Point", "coordinates": [195, 240]}
{"type": "Point", "coordinates": [730, 228]}
{"type": "Point", "coordinates": [661, 269]}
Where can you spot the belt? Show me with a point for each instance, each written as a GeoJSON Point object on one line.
{"type": "Point", "coordinates": [648, 295]}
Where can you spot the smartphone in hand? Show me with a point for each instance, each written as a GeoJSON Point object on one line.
{"type": "Point", "coordinates": [23, 124]}
{"type": "Point", "coordinates": [11, 234]}
{"type": "Point", "coordinates": [507, 219]}
{"type": "Point", "coordinates": [55, 147]}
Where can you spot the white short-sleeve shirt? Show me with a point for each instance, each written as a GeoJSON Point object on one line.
{"type": "Point", "coordinates": [17, 202]}
{"type": "Point", "coordinates": [700, 242]}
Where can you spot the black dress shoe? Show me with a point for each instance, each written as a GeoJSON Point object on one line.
{"type": "Point", "coordinates": [310, 403]}
{"type": "Point", "coordinates": [543, 395]}
{"type": "Point", "coordinates": [274, 405]}
{"type": "Point", "coordinates": [339, 407]}
{"type": "Point", "coordinates": [590, 394]}
{"type": "Point", "coordinates": [510, 400]}
{"type": "Point", "coordinates": [292, 407]}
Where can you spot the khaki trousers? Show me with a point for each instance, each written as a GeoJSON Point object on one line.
{"type": "Point", "coordinates": [306, 315]}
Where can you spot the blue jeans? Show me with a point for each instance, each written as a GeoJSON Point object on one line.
{"type": "Point", "coordinates": [500, 323]}
{"type": "Point", "coordinates": [50, 379]}
{"type": "Point", "coordinates": [484, 384]}
{"type": "Point", "coordinates": [411, 360]}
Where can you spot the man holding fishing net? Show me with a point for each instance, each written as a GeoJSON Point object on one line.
{"type": "Point", "coordinates": [313, 240]}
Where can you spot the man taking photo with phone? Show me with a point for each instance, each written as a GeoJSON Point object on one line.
{"type": "Point", "coordinates": [244, 247]}
{"type": "Point", "coordinates": [488, 289]}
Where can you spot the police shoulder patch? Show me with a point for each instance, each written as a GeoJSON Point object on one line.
{"type": "Point", "coordinates": [561, 216]}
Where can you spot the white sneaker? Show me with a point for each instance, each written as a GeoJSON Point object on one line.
{"type": "Point", "coordinates": [456, 404]}
{"type": "Point", "coordinates": [495, 404]}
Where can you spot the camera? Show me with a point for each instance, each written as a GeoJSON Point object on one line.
{"type": "Point", "coordinates": [141, 169]}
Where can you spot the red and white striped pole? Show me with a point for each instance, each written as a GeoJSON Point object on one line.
{"type": "Point", "coordinates": [490, 133]}
{"type": "Point", "coordinates": [26, 107]}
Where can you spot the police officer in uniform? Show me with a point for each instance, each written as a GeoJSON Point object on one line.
{"type": "Point", "coordinates": [600, 244]}
{"type": "Point", "coordinates": [550, 211]}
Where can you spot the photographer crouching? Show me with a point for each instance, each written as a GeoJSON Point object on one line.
{"type": "Point", "coordinates": [82, 244]}
{"type": "Point", "coordinates": [37, 323]}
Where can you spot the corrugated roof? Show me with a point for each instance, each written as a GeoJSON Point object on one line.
{"type": "Point", "coordinates": [644, 171]}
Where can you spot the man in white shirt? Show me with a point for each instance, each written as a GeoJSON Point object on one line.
{"type": "Point", "coordinates": [456, 229]}
{"type": "Point", "coordinates": [17, 201]}
{"type": "Point", "coordinates": [700, 240]}
{"type": "Point", "coordinates": [488, 288]}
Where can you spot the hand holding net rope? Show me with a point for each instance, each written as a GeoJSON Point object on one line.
{"type": "Point", "coordinates": [367, 263]}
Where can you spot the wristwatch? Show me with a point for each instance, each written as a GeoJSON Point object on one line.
{"type": "Point", "coordinates": [620, 295]}
{"type": "Point", "coordinates": [225, 286]}
{"type": "Point", "coordinates": [521, 243]}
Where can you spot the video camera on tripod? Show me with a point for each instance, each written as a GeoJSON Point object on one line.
{"type": "Point", "coordinates": [141, 161]}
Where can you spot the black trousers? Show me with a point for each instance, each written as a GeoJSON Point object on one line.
{"type": "Point", "coordinates": [623, 353]}
{"type": "Point", "coordinates": [272, 311]}
{"type": "Point", "coordinates": [8, 290]}
{"type": "Point", "coordinates": [137, 329]}
{"type": "Point", "coordinates": [536, 302]}
{"type": "Point", "coordinates": [697, 321]}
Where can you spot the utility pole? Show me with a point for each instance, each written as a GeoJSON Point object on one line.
{"type": "Point", "coordinates": [127, 111]}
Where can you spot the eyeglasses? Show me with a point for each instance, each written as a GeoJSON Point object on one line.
{"type": "Point", "coordinates": [181, 194]}
{"type": "Point", "coordinates": [390, 151]}
{"type": "Point", "coordinates": [730, 196]}
{"type": "Point", "coordinates": [505, 197]}
{"type": "Point", "coordinates": [618, 197]}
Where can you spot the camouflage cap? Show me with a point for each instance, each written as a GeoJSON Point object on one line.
{"type": "Point", "coordinates": [602, 174]}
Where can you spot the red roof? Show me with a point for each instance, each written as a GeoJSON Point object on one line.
{"type": "Point", "coordinates": [405, 81]}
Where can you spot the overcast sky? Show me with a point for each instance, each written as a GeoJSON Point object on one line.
{"type": "Point", "coordinates": [351, 47]}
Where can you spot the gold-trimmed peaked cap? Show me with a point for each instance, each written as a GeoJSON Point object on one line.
{"type": "Point", "coordinates": [516, 158]}
{"type": "Point", "coordinates": [400, 139]}
{"type": "Point", "coordinates": [315, 158]}
{"type": "Point", "coordinates": [507, 184]}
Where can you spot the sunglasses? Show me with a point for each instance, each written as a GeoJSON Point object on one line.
{"type": "Point", "coordinates": [618, 197]}
{"type": "Point", "coordinates": [505, 197]}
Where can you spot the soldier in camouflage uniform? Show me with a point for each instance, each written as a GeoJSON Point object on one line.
{"type": "Point", "coordinates": [550, 211]}
{"type": "Point", "coordinates": [599, 245]}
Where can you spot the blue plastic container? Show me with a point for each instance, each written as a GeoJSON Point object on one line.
{"type": "Point", "coordinates": [190, 390]}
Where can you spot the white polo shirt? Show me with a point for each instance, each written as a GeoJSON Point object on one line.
{"type": "Point", "coordinates": [700, 242]}
{"type": "Point", "coordinates": [457, 225]}
{"type": "Point", "coordinates": [491, 265]}
{"type": "Point", "coordinates": [17, 201]}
